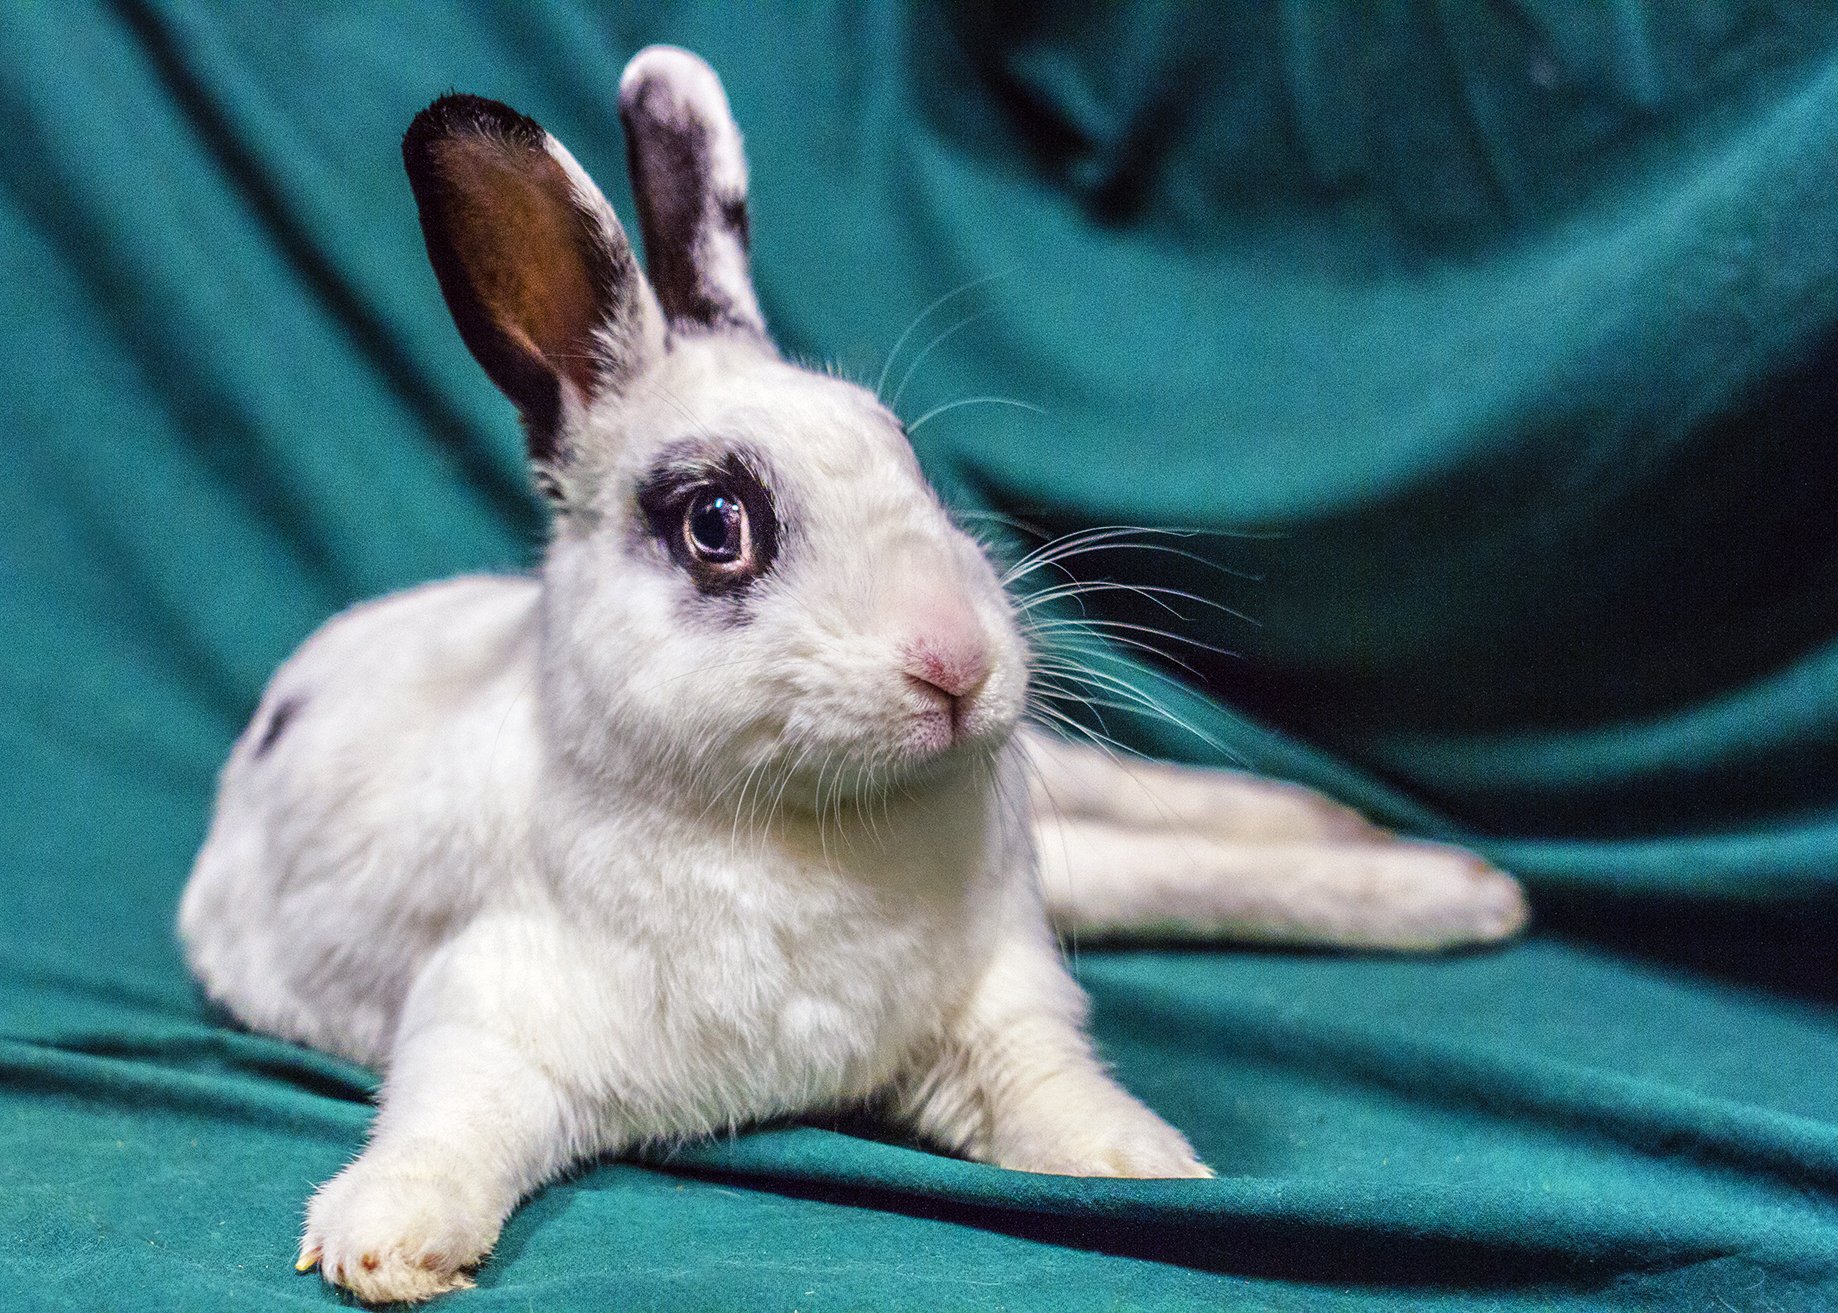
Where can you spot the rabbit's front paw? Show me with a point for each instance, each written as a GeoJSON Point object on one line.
{"type": "Point", "coordinates": [1109, 1136]}
{"type": "Point", "coordinates": [396, 1232]}
{"type": "Point", "coordinates": [1143, 1152]}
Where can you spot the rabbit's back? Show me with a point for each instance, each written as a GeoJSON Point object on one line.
{"type": "Point", "coordinates": [377, 796]}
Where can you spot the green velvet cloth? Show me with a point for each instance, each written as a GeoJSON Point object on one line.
{"type": "Point", "coordinates": [1493, 348]}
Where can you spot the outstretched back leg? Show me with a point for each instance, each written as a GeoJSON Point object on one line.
{"type": "Point", "coordinates": [1132, 848]}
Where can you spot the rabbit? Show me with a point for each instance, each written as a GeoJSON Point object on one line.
{"type": "Point", "coordinates": [727, 814]}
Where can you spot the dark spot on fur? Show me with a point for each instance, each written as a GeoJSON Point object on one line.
{"type": "Point", "coordinates": [547, 484]}
{"type": "Point", "coordinates": [734, 219]}
{"type": "Point", "coordinates": [668, 154]}
{"type": "Point", "coordinates": [278, 719]}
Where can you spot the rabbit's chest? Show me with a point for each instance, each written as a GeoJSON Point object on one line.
{"type": "Point", "coordinates": [774, 973]}
{"type": "Point", "coordinates": [778, 984]}
{"type": "Point", "coordinates": [818, 993]}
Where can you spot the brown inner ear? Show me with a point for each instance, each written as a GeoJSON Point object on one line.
{"type": "Point", "coordinates": [519, 233]}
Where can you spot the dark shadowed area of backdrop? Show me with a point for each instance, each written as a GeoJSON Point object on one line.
{"type": "Point", "coordinates": [1496, 346]}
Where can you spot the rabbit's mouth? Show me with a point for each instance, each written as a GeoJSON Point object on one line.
{"type": "Point", "coordinates": [943, 720]}
{"type": "Point", "coordinates": [933, 734]}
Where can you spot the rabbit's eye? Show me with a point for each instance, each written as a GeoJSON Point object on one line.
{"type": "Point", "coordinates": [715, 527]}
{"type": "Point", "coordinates": [715, 517]}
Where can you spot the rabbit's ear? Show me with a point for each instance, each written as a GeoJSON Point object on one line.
{"type": "Point", "coordinates": [689, 176]}
{"type": "Point", "coordinates": [534, 266]}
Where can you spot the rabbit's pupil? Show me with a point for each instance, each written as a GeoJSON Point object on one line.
{"type": "Point", "coordinates": [714, 524]}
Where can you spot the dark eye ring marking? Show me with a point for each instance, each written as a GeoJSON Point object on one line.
{"type": "Point", "coordinates": [715, 518]}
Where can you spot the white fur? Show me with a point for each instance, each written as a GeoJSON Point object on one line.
{"type": "Point", "coordinates": [583, 863]}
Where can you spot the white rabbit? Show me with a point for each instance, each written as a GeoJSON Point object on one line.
{"type": "Point", "coordinates": [723, 816]}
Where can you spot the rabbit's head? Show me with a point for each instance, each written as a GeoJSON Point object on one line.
{"type": "Point", "coordinates": [749, 578]}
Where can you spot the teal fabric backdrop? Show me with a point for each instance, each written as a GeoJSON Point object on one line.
{"type": "Point", "coordinates": [1493, 347]}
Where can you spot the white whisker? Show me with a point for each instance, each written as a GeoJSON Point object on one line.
{"type": "Point", "coordinates": [899, 391]}
{"type": "Point", "coordinates": [936, 411]}
{"type": "Point", "coordinates": [926, 313]}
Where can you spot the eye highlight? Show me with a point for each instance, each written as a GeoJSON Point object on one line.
{"type": "Point", "coordinates": [714, 517]}
{"type": "Point", "coordinates": [715, 526]}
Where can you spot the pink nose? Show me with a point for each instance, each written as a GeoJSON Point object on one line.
{"type": "Point", "coordinates": [955, 664]}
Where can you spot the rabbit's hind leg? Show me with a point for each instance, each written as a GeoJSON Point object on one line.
{"type": "Point", "coordinates": [1073, 780]}
{"type": "Point", "coordinates": [1115, 881]}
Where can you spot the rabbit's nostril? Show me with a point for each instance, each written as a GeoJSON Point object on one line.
{"type": "Point", "coordinates": [956, 669]}
{"type": "Point", "coordinates": [928, 689]}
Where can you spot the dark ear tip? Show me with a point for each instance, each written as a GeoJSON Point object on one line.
{"type": "Point", "coordinates": [456, 114]}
